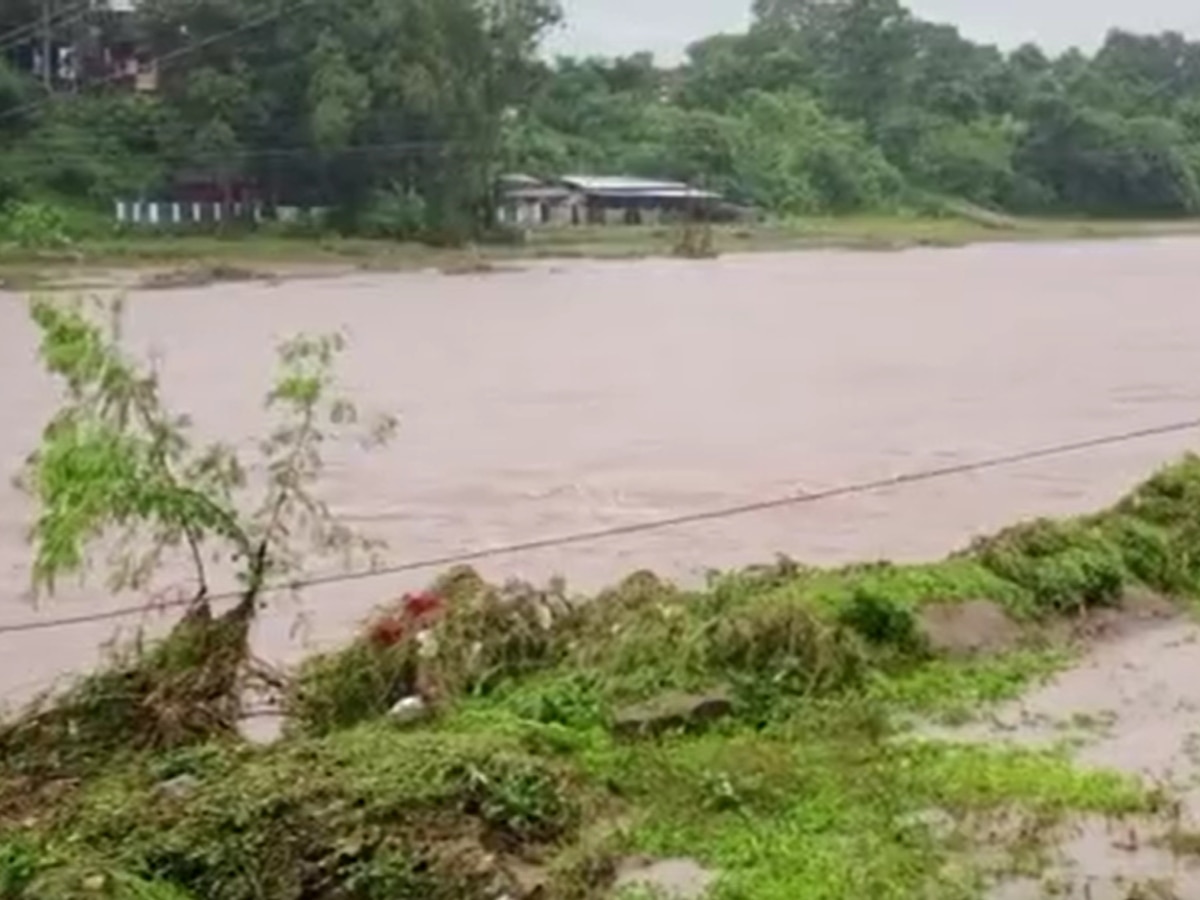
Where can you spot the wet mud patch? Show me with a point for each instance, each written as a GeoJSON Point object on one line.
{"type": "Point", "coordinates": [669, 879]}
{"type": "Point", "coordinates": [985, 628]}
{"type": "Point", "coordinates": [1095, 859]}
{"type": "Point", "coordinates": [1130, 705]}
{"type": "Point", "coordinates": [197, 276]}
{"type": "Point", "coordinates": [970, 628]}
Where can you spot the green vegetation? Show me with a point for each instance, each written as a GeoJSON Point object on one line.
{"type": "Point", "coordinates": [395, 117]}
{"type": "Point", "coordinates": [776, 635]}
{"type": "Point", "coordinates": [843, 106]}
{"type": "Point", "coordinates": [804, 777]}
{"type": "Point", "coordinates": [163, 261]}
{"type": "Point", "coordinates": [388, 112]}
{"type": "Point", "coordinates": [117, 471]}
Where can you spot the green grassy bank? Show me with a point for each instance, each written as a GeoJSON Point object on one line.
{"type": "Point", "coordinates": [529, 779]}
{"type": "Point", "coordinates": [237, 256]}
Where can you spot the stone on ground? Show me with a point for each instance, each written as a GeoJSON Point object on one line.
{"type": "Point", "coordinates": [671, 712]}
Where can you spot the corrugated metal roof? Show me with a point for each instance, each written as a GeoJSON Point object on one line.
{"type": "Point", "coordinates": [612, 186]}
{"type": "Point", "coordinates": [520, 178]}
{"type": "Point", "coordinates": [538, 193]}
{"type": "Point", "coordinates": [620, 183]}
{"type": "Point", "coordinates": [620, 186]}
{"type": "Point", "coordinates": [672, 193]}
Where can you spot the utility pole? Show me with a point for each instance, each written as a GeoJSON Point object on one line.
{"type": "Point", "coordinates": [47, 47]}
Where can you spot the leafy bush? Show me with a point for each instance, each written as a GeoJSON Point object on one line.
{"type": "Point", "coordinates": [1065, 565]}
{"type": "Point", "coordinates": [782, 644]}
{"type": "Point", "coordinates": [479, 638]}
{"type": "Point", "coordinates": [1150, 552]}
{"type": "Point", "coordinates": [34, 226]}
{"type": "Point", "coordinates": [881, 620]}
{"type": "Point", "coordinates": [394, 212]}
{"type": "Point", "coordinates": [19, 865]}
{"type": "Point", "coordinates": [1171, 497]}
{"type": "Point", "coordinates": [1158, 528]}
{"type": "Point", "coordinates": [356, 684]}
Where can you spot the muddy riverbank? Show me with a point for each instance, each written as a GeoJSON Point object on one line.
{"type": "Point", "coordinates": [767, 736]}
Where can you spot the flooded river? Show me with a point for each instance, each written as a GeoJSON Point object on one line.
{"type": "Point", "coordinates": [585, 395]}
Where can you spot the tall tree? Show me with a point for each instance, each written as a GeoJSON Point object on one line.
{"type": "Point", "coordinates": [354, 96]}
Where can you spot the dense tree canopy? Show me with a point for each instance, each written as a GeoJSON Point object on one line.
{"type": "Point", "coordinates": [838, 105]}
{"type": "Point", "coordinates": [359, 104]}
{"type": "Point", "coordinates": [399, 114]}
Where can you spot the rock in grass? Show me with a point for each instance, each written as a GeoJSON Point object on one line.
{"type": "Point", "coordinates": [180, 788]}
{"type": "Point", "coordinates": [672, 712]}
{"type": "Point", "coordinates": [409, 711]}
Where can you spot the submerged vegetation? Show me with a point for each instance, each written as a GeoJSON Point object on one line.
{"type": "Point", "coordinates": [758, 725]}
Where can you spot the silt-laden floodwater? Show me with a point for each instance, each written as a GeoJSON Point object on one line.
{"type": "Point", "coordinates": [583, 395]}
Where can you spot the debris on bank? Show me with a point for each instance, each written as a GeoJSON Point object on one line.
{"type": "Point", "coordinates": [514, 741]}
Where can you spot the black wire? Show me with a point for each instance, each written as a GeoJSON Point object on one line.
{"type": "Point", "coordinates": [28, 32]}
{"type": "Point", "coordinates": [159, 61]}
{"type": "Point", "coordinates": [79, 155]}
{"type": "Point", "coordinates": [582, 537]}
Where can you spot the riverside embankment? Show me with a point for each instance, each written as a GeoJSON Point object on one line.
{"type": "Point", "coordinates": [579, 394]}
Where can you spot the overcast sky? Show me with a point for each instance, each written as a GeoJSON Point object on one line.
{"type": "Point", "coordinates": [668, 26]}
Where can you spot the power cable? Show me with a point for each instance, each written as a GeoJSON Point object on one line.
{"type": "Point", "coordinates": [582, 537]}
{"type": "Point", "coordinates": [159, 61]}
{"type": "Point", "coordinates": [78, 154]}
{"type": "Point", "coordinates": [28, 32]}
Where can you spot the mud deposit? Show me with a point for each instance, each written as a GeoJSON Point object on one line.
{"type": "Point", "coordinates": [671, 879]}
{"type": "Point", "coordinates": [1132, 704]}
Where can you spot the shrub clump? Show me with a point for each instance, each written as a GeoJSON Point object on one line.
{"type": "Point", "coordinates": [1150, 538]}
{"type": "Point", "coordinates": [368, 814]}
{"type": "Point", "coordinates": [462, 637]}
{"type": "Point", "coordinates": [180, 691]}
{"type": "Point", "coordinates": [1158, 528]}
{"type": "Point", "coordinates": [34, 226]}
{"type": "Point", "coordinates": [785, 646]}
{"type": "Point", "coordinates": [1066, 566]}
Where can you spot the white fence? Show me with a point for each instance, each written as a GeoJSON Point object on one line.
{"type": "Point", "coordinates": [166, 214]}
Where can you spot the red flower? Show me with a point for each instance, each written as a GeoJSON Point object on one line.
{"type": "Point", "coordinates": [387, 632]}
{"type": "Point", "coordinates": [422, 605]}
{"type": "Point", "coordinates": [413, 613]}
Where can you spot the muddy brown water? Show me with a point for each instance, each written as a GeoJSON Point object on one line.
{"type": "Point", "coordinates": [582, 395]}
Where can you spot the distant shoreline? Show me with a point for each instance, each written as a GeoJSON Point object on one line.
{"type": "Point", "coordinates": [193, 261]}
